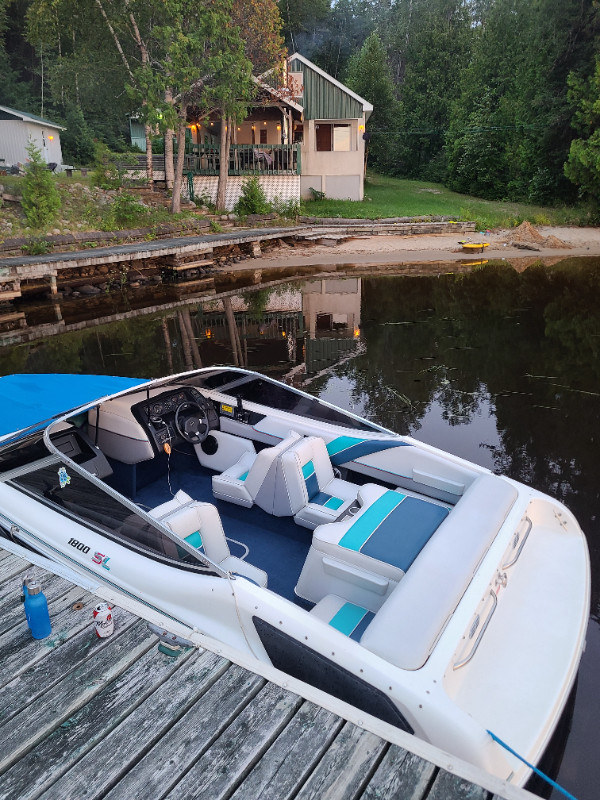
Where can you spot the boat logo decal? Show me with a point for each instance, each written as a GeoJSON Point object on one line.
{"type": "Point", "coordinates": [63, 477]}
{"type": "Point", "coordinates": [83, 548]}
{"type": "Point", "coordinates": [100, 558]}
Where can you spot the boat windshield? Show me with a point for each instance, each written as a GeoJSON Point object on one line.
{"type": "Point", "coordinates": [272, 394]}
{"type": "Point", "coordinates": [54, 483]}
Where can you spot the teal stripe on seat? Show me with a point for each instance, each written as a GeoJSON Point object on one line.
{"type": "Point", "coordinates": [310, 479]}
{"type": "Point", "coordinates": [367, 523]}
{"type": "Point", "coordinates": [334, 503]}
{"type": "Point", "coordinates": [347, 618]}
{"type": "Point", "coordinates": [307, 470]}
{"type": "Point", "coordinates": [195, 539]}
{"type": "Point", "coordinates": [244, 476]}
{"type": "Point", "coordinates": [341, 443]}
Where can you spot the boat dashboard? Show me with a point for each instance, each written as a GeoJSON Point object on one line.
{"type": "Point", "coordinates": [175, 416]}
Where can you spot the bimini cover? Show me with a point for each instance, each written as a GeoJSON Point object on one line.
{"type": "Point", "coordinates": [27, 400]}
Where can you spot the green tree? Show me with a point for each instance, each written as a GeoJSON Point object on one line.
{"type": "Point", "coordinates": [41, 200]}
{"type": "Point", "coordinates": [369, 76]}
{"type": "Point", "coordinates": [76, 141]}
{"type": "Point", "coordinates": [198, 62]}
{"type": "Point", "coordinates": [583, 164]}
{"type": "Point", "coordinates": [509, 131]}
{"type": "Point", "coordinates": [431, 44]}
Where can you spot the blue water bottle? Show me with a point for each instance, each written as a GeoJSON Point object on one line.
{"type": "Point", "coordinates": [36, 610]}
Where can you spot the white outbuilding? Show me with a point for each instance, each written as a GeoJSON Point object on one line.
{"type": "Point", "coordinates": [18, 128]}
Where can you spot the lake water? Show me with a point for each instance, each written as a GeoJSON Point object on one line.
{"type": "Point", "coordinates": [496, 366]}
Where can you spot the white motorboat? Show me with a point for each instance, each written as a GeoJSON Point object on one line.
{"type": "Point", "coordinates": [414, 585]}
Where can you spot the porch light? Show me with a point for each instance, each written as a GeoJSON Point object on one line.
{"type": "Point", "coordinates": [283, 333]}
{"type": "Point", "coordinates": [264, 123]}
{"type": "Point", "coordinates": [208, 333]}
{"type": "Point", "coordinates": [361, 127]}
{"type": "Point", "coordinates": [254, 127]}
{"type": "Point", "coordinates": [212, 123]}
{"type": "Point", "coordinates": [279, 127]}
{"type": "Point", "coordinates": [356, 333]}
{"type": "Point", "coordinates": [51, 138]}
{"type": "Point", "coordinates": [193, 127]}
{"type": "Point", "coordinates": [239, 129]}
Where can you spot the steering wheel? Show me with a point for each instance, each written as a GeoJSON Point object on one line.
{"type": "Point", "coordinates": [191, 421]}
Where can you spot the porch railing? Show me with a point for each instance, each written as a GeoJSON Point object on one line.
{"type": "Point", "coordinates": [245, 159]}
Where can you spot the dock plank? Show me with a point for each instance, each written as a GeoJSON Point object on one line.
{"type": "Point", "coordinates": [11, 606]}
{"type": "Point", "coordinates": [11, 566]}
{"type": "Point", "coordinates": [20, 651]}
{"type": "Point", "coordinates": [223, 766]}
{"type": "Point", "coordinates": [116, 719]}
{"type": "Point", "coordinates": [71, 741]}
{"type": "Point", "coordinates": [400, 774]}
{"type": "Point", "coordinates": [24, 730]}
{"type": "Point", "coordinates": [293, 755]}
{"type": "Point", "coordinates": [190, 737]}
{"type": "Point", "coordinates": [346, 767]}
{"type": "Point", "coordinates": [46, 673]}
{"type": "Point", "coordinates": [140, 731]}
{"type": "Point", "coordinates": [450, 787]}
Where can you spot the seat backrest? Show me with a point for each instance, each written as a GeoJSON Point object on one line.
{"type": "Point", "coordinates": [260, 482]}
{"type": "Point", "coordinates": [200, 525]}
{"type": "Point", "coordinates": [305, 469]}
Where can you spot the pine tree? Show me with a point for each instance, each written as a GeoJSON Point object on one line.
{"type": "Point", "coordinates": [369, 76]}
{"type": "Point", "coordinates": [41, 200]}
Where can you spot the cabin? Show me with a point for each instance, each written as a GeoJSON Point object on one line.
{"type": "Point", "coordinates": [18, 128]}
{"type": "Point", "coordinates": [301, 139]}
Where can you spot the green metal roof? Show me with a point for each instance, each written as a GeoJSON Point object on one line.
{"type": "Point", "coordinates": [324, 97]}
{"type": "Point", "coordinates": [26, 115]}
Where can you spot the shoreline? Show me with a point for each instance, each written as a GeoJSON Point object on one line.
{"type": "Point", "coordinates": [566, 242]}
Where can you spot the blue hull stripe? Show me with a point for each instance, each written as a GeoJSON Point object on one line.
{"type": "Point", "coordinates": [347, 448]}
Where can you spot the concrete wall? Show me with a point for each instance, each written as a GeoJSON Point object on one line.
{"type": "Point", "coordinates": [15, 136]}
{"type": "Point", "coordinates": [339, 174]}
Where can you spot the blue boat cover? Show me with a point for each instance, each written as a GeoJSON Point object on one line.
{"type": "Point", "coordinates": [28, 400]}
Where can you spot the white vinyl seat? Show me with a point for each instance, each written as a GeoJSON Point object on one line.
{"type": "Point", "coordinates": [307, 488]}
{"type": "Point", "coordinates": [199, 524]}
{"type": "Point", "coordinates": [252, 478]}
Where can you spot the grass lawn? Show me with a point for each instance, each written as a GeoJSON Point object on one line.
{"type": "Point", "coordinates": [394, 197]}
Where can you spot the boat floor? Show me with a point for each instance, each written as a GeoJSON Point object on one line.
{"type": "Point", "coordinates": [276, 544]}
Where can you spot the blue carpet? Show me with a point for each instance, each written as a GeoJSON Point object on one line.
{"type": "Point", "coordinates": [277, 544]}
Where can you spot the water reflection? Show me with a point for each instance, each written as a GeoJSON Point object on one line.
{"type": "Point", "coordinates": [496, 366]}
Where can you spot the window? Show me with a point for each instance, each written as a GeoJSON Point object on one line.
{"type": "Point", "coordinates": [333, 136]}
{"type": "Point", "coordinates": [341, 137]}
{"type": "Point", "coordinates": [88, 503]}
{"type": "Point", "coordinates": [275, 395]}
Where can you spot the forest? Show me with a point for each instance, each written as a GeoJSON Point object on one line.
{"type": "Point", "coordinates": [494, 98]}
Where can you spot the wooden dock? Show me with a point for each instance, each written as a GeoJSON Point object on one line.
{"type": "Point", "coordinates": [197, 250]}
{"type": "Point", "coordinates": [82, 717]}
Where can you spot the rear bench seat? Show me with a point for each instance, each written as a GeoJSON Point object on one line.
{"type": "Point", "coordinates": [406, 627]}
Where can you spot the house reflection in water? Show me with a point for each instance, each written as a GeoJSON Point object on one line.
{"type": "Point", "coordinates": [299, 328]}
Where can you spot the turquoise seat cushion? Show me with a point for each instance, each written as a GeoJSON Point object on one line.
{"type": "Point", "coordinates": [351, 620]}
{"type": "Point", "coordinates": [394, 529]}
{"type": "Point", "coordinates": [327, 500]}
{"type": "Point", "coordinates": [195, 539]}
{"type": "Point", "coordinates": [310, 479]}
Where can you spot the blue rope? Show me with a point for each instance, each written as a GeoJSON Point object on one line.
{"type": "Point", "coordinates": [535, 769]}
